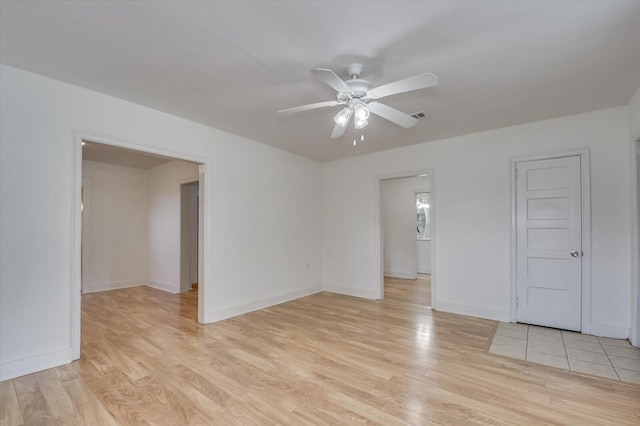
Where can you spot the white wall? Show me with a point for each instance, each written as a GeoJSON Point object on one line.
{"type": "Point", "coordinates": [472, 206]}
{"type": "Point", "coordinates": [424, 256]}
{"type": "Point", "coordinates": [115, 221]}
{"type": "Point", "coordinates": [39, 118]}
{"type": "Point", "coordinates": [634, 115]}
{"type": "Point", "coordinates": [163, 269]}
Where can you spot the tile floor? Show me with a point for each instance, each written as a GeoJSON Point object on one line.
{"type": "Point", "coordinates": [600, 356]}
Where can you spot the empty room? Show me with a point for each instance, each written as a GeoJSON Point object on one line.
{"type": "Point", "coordinates": [319, 212]}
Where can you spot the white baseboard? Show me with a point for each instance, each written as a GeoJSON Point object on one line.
{"type": "Point", "coordinates": [170, 288]}
{"type": "Point", "coordinates": [474, 311]}
{"type": "Point", "coordinates": [31, 364]}
{"type": "Point", "coordinates": [114, 285]}
{"type": "Point", "coordinates": [401, 275]}
{"type": "Point", "coordinates": [351, 291]}
{"type": "Point", "coordinates": [612, 331]}
{"type": "Point", "coordinates": [224, 313]}
{"type": "Point", "coordinates": [424, 271]}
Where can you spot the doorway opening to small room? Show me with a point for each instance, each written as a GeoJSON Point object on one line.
{"type": "Point", "coordinates": [407, 238]}
{"type": "Point", "coordinates": [141, 243]}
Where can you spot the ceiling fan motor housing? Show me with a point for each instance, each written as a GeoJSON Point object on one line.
{"type": "Point", "coordinates": [359, 90]}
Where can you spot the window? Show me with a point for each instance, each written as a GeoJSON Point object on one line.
{"type": "Point", "coordinates": [423, 220]}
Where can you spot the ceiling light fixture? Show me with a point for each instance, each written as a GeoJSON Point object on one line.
{"type": "Point", "coordinates": [360, 124]}
{"type": "Point", "coordinates": [343, 117]}
{"type": "Point", "coordinates": [361, 113]}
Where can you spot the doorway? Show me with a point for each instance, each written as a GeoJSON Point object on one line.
{"type": "Point", "coordinates": [635, 310]}
{"type": "Point", "coordinates": [405, 228]}
{"type": "Point", "coordinates": [552, 241]}
{"type": "Point", "coordinates": [119, 150]}
{"type": "Point", "coordinates": [189, 206]}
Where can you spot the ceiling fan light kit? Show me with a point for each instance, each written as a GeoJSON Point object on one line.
{"type": "Point", "coordinates": [361, 112]}
{"type": "Point", "coordinates": [357, 95]}
{"type": "Point", "coordinates": [360, 124]}
{"type": "Point", "coordinates": [343, 117]}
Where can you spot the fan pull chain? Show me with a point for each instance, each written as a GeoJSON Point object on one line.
{"type": "Point", "coordinates": [354, 136]}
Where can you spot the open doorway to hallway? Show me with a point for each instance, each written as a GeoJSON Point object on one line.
{"type": "Point", "coordinates": [140, 215]}
{"type": "Point", "coordinates": [405, 204]}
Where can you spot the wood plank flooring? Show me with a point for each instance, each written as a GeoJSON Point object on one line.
{"type": "Point", "coordinates": [322, 359]}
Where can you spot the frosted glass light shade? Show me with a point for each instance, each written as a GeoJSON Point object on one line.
{"type": "Point", "coordinates": [361, 112]}
{"type": "Point", "coordinates": [343, 117]}
{"type": "Point", "coordinates": [360, 124]}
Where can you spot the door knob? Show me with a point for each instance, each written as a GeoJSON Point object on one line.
{"type": "Point", "coordinates": [574, 254]}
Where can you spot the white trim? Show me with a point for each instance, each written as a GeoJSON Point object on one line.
{"type": "Point", "coordinates": [224, 313]}
{"type": "Point", "coordinates": [76, 249]}
{"type": "Point", "coordinates": [586, 230]}
{"type": "Point", "coordinates": [169, 288]}
{"type": "Point", "coordinates": [400, 275]}
{"type": "Point", "coordinates": [85, 249]}
{"type": "Point", "coordinates": [378, 237]}
{"type": "Point", "coordinates": [76, 228]}
{"type": "Point", "coordinates": [611, 331]}
{"type": "Point", "coordinates": [31, 364]}
{"type": "Point", "coordinates": [112, 285]}
{"type": "Point", "coordinates": [185, 269]}
{"type": "Point", "coordinates": [474, 311]}
{"type": "Point", "coordinates": [634, 329]}
{"type": "Point", "coordinates": [204, 243]}
{"type": "Point", "coordinates": [351, 291]}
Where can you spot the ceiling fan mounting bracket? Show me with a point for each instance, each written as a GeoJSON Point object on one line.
{"type": "Point", "coordinates": [354, 70]}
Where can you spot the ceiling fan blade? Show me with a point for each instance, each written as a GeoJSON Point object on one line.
{"type": "Point", "coordinates": [309, 106]}
{"type": "Point", "coordinates": [332, 79]}
{"type": "Point", "coordinates": [392, 114]}
{"type": "Point", "coordinates": [338, 131]}
{"type": "Point", "coordinates": [420, 81]}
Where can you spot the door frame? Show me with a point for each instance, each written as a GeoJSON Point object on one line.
{"type": "Point", "coordinates": [634, 330]}
{"type": "Point", "coordinates": [585, 322]}
{"type": "Point", "coordinates": [184, 266]}
{"type": "Point", "coordinates": [378, 234]}
{"type": "Point", "coordinates": [205, 264]}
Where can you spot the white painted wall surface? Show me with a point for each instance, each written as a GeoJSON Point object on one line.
{"type": "Point", "coordinates": [38, 118]}
{"type": "Point", "coordinates": [163, 271]}
{"type": "Point", "coordinates": [115, 222]}
{"type": "Point", "coordinates": [634, 115]}
{"type": "Point", "coordinates": [473, 210]}
{"type": "Point", "coordinates": [399, 228]}
{"type": "Point", "coordinates": [424, 256]}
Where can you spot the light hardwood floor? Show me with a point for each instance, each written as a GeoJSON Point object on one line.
{"type": "Point", "coordinates": [323, 359]}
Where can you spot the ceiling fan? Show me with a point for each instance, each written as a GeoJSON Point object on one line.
{"type": "Point", "coordinates": [359, 98]}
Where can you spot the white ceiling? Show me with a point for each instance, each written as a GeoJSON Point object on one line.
{"type": "Point", "coordinates": [121, 156]}
{"type": "Point", "coordinates": [232, 65]}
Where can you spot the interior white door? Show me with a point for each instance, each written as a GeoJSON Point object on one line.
{"type": "Point", "coordinates": [549, 242]}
